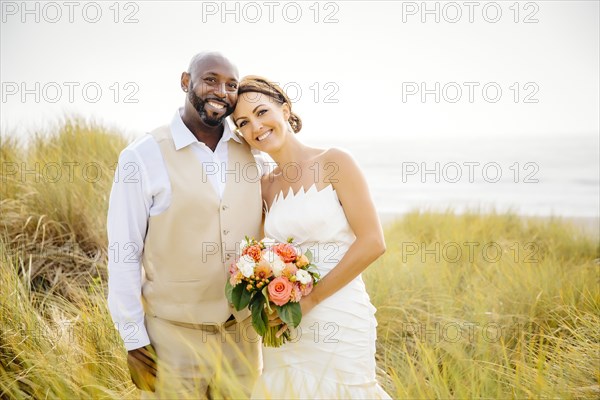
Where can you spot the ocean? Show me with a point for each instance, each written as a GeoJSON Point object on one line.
{"type": "Point", "coordinates": [537, 176]}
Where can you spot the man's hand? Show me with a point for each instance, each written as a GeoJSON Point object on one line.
{"type": "Point", "coordinates": [142, 367]}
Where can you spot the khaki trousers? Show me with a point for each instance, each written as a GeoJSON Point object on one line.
{"type": "Point", "coordinates": [198, 364]}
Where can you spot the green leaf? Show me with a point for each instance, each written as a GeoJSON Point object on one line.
{"type": "Point", "coordinates": [290, 313]}
{"type": "Point", "coordinates": [245, 299]}
{"type": "Point", "coordinates": [259, 316]}
{"type": "Point", "coordinates": [309, 255]}
{"type": "Point", "coordinates": [240, 296]}
{"type": "Point", "coordinates": [258, 296]}
{"type": "Point", "coordinates": [229, 291]}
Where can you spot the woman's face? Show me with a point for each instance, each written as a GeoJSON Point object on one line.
{"type": "Point", "coordinates": [261, 120]}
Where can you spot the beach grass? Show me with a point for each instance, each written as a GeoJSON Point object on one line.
{"type": "Point", "coordinates": [487, 306]}
{"type": "Point", "coordinates": [469, 306]}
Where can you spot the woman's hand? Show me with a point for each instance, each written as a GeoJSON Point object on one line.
{"type": "Point", "coordinates": [274, 320]}
{"type": "Point", "coordinates": [306, 305]}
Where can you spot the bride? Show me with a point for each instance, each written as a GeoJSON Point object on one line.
{"type": "Point", "coordinates": [320, 198]}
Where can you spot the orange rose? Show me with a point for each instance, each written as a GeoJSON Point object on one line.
{"type": "Point", "coordinates": [253, 251]}
{"type": "Point", "coordinates": [285, 251]}
{"type": "Point", "coordinates": [280, 290]}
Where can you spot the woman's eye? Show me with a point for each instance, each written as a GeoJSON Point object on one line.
{"type": "Point", "coordinates": [261, 112]}
{"type": "Point", "coordinates": [242, 123]}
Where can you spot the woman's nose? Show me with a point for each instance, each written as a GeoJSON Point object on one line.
{"type": "Point", "coordinates": [256, 126]}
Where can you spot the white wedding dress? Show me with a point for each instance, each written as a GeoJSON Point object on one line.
{"type": "Point", "coordinates": [332, 352]}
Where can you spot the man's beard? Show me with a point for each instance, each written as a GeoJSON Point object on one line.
{"type": "Point", "coordinates": [199, 104]}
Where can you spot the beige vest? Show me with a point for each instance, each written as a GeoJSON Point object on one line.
{"type": "Point", "coordinates": [189, 247]}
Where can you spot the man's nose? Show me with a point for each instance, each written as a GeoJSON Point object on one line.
{"type": "Point", "coordinates": [220, 90]}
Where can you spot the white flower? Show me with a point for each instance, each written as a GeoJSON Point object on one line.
{"type": "Point", "coordinates": [246, 266]}
{"type": "Point", "coordinates": [277, 264]}
{"type": "Point", "coordinates": [268, 242]}
{"type": "Point", "coordinates": [243, 245]}
{"type": "Point", "coordinates": [303, 277]}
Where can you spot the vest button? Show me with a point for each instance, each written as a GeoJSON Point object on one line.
{"type": "Point", "coordinates": [225, 231]}
{"type": "Point", "coordinates": [224, 208]}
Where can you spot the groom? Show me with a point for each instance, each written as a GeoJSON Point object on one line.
{"type": "Point", "coordinates": [174, 221]}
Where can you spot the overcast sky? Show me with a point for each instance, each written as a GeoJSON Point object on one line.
{"type": "Point", "coordinates": [358, 69]}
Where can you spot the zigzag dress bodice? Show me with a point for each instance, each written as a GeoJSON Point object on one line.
{"type": "Point", "coordinates": [316, 221]}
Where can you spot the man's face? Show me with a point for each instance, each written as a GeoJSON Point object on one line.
{"type": "Point", "coordinates": [213, 90]}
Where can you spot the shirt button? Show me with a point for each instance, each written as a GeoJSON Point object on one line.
{"type": "Point", "coordinates": [225, 231]}
{"type": "Point", "coordinates": [224, 208]}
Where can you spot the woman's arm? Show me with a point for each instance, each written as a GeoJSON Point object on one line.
{"type": "Point", "coordinates": [353, 192]}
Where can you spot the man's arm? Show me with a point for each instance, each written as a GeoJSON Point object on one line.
{"type": "Point", "coordinates": [127, 221]}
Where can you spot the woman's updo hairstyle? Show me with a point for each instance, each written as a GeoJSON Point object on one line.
{"type": "Point", "coordinates": [258, 84]}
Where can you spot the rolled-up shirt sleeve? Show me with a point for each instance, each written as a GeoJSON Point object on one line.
{"type": "Point", "coordinates": [127, 222]}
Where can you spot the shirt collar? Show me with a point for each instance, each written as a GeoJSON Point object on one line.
{"type": "Point", "coordinates": [183, 137]}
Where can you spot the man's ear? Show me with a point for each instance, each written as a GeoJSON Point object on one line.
{"type": "Point", "coordinates": [185, 81]}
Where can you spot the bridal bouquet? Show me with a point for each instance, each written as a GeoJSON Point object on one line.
{"type": "Point", "coordinates": [271, 276]}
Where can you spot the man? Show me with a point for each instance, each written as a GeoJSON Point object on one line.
{"type": "Point", "coordinates": [184, 197]}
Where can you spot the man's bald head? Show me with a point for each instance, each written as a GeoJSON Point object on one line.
{"type": "Point", "coordinates": [206, 59]}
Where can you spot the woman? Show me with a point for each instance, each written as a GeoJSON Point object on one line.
{"type": "Point", "coordinates": [320, 198]}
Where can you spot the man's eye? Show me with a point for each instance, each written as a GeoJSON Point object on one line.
{"type": "Point", "coordinates": [211, 80]}
{"type": "Point", "coordinates": [233, 85]}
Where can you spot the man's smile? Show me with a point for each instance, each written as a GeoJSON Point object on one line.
{"type": "Point", "coordinates": [215, 106]}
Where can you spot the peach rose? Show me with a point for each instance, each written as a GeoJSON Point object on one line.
{"type": "Point", "coordinates": [285, 251]}
{"type": "Point", "coordinates": [280, 290]}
